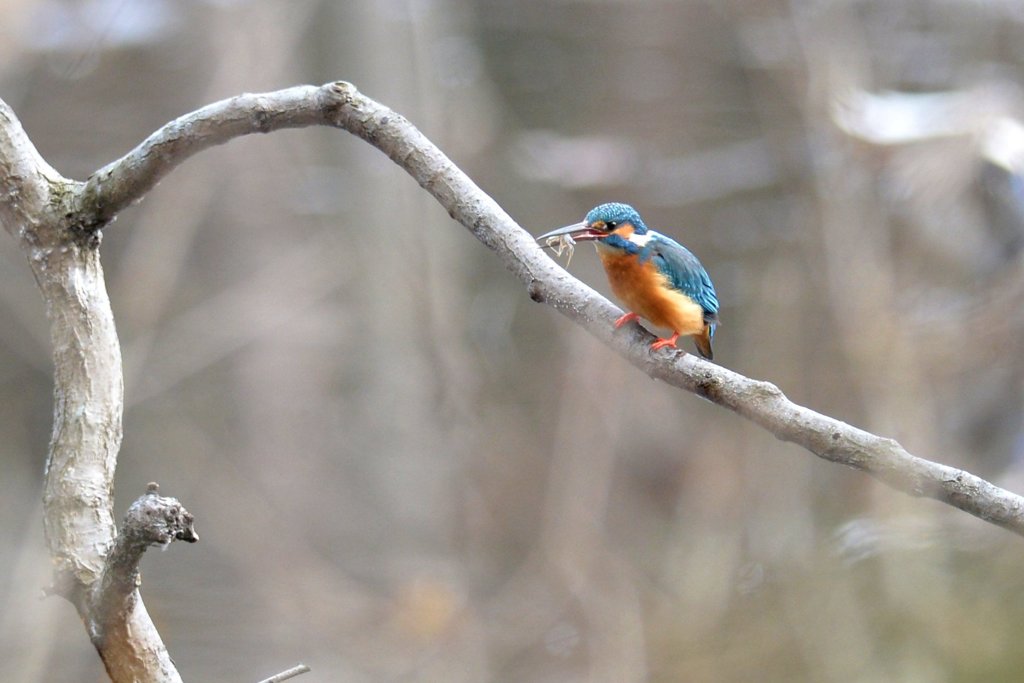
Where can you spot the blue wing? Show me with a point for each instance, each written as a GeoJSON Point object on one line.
{"type": "Point", "coordinates": [684, 271]}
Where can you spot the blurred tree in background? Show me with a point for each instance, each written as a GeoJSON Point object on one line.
{"type": "Point", "coordinates": [403, 470]}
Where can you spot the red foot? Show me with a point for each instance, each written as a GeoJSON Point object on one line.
{"type": "Point", "coordinates": [627, 318]}
{"type": "Point", "coordinates": [663, 343]}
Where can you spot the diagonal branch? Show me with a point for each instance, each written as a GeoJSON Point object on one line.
{"type": "Point", "coordinates": [287, 674]}
{"type": "Point", "coordinates": [760, 402]}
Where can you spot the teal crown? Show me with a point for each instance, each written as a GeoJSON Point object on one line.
{"type": "Point", "coordinates": [615, 213]}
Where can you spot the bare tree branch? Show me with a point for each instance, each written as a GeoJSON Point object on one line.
{"type": "Point", "coordinates": [57, 221]}
{"type": "Point", "coordinates": [26, 180]}
{"type": "Point", "coordinates": [88, 398]}
{"type": "Point", "coordinates": [150, 520]}
{"type": "Point", "coordinates": [118, 184]}
{"type": "Point", "coordinates": [297, 670]}
{"type": "Point", "coordinates": [760, 402]}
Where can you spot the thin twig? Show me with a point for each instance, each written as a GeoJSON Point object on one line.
{"type": "Point", "coordinates": [285, 675]}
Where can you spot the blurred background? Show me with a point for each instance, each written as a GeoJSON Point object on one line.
{"type": "Point", "coordinates": [404, 470]}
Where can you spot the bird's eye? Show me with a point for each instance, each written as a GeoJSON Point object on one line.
{"type": "Point", "coordinates": [610, 225]}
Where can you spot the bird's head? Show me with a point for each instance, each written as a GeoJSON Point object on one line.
{"type": "Point", "coordinates": [602, 222]}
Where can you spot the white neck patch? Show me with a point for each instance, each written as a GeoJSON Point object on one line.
{"type": "Point", "coordinates": [640, 240]}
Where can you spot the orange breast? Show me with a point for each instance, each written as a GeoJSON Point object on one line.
{"type": "Point", "coordinates": [644, 290]}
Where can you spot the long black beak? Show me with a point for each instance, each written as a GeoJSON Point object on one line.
{"type": "Point", "coordinates": [581, 232]}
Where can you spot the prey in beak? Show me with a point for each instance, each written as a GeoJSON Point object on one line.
{"type": "Point", "coordinates": [564, 239]}
{"type": "Point", "coordinates": [577, 232]}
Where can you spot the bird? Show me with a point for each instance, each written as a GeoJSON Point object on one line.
{"type": "Point", "coordinates": [656, 278]}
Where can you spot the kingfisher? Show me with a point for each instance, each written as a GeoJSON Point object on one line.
{"type": "Point", "coordinates": [653, 275]}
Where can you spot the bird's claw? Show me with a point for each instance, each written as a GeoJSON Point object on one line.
{"type": "Point", "coordinates": [670, 342]}
{"type": "Point", "coordinates": [626, 318]}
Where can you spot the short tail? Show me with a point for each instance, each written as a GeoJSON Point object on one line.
{"type": "Point", "coordinates": [703, 341]}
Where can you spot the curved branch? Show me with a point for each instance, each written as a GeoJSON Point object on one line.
{"type": "Point", "coordinates": [340, 104]}
{"type": "Point", "coordinates": [26, 180]}
{"type": "Point", "coordinates": [127, 180]}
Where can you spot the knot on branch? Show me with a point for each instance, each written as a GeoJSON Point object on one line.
{"type": "Point", "coordinates": [87, 234]}
{"type": "Point", "coordinates": [156, 520]}
{"type": "Point", "coordinates": [707, 385]}
{"type": "Point", "coordinates": [536, 291]}
{"type": "Point", "coordinates": [343, 91]}
{"type": "Point", "coordinates": [334, 97]}
{"type": "Point", "coordinates": [151, 520]}
{"type": "Point", "coordinates": [83, 211]}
